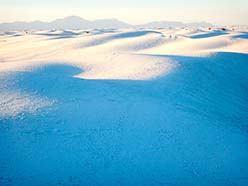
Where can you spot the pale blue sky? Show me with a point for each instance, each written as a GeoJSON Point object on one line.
{"type": "Point", "coordinates": [132, 11]}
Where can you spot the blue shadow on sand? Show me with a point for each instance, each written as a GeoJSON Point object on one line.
{"type": "Point", "coordinates": [135, 34]}
{"type": "Point", "coordinates": [187, 128]}
{"type": "Point", "coordinates": [209, 34]}
{"type": "Point", "coordinates": [243, 35]}
{"type": "Point", "coordinates": [119, 36]}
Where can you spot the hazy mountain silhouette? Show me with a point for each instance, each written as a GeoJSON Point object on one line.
{"type": "Point", "coordinates": [163, 24]}
{"type": "Point", "coordinates": [71, 22]}
{"type": "Point", "coordinates": [75, 22]}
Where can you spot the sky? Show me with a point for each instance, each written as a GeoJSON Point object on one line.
{"type": "Point", "coordinates": [220, 12]}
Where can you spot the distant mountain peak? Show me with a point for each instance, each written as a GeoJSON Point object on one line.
{"type": "Point", "coordinates": [70, 18]}
{"type": "Point", "coordinates": [76, 22]}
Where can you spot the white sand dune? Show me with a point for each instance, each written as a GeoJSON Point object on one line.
{"type": "Point", "coordinates": [124, 107]}
{"type": "Point", "coordinates": [80, 48]}
{"type": "Point", "coordinates": [114, 54]}
{"type": "Point", "coordinates": [125, 54]}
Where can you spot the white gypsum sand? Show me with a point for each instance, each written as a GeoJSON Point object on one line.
{"type": "Point", "coordinates": [124, 107]}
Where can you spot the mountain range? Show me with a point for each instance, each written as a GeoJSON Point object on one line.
{"type": "Point", "coordinates": [75, 22]}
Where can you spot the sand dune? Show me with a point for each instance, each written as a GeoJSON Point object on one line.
{"type": "Point", "coordinates": [125, 54]}
{"type": "Point", "coordinates": [124, 107]}
{"type": "Point", "coordinates": [79, 47]}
